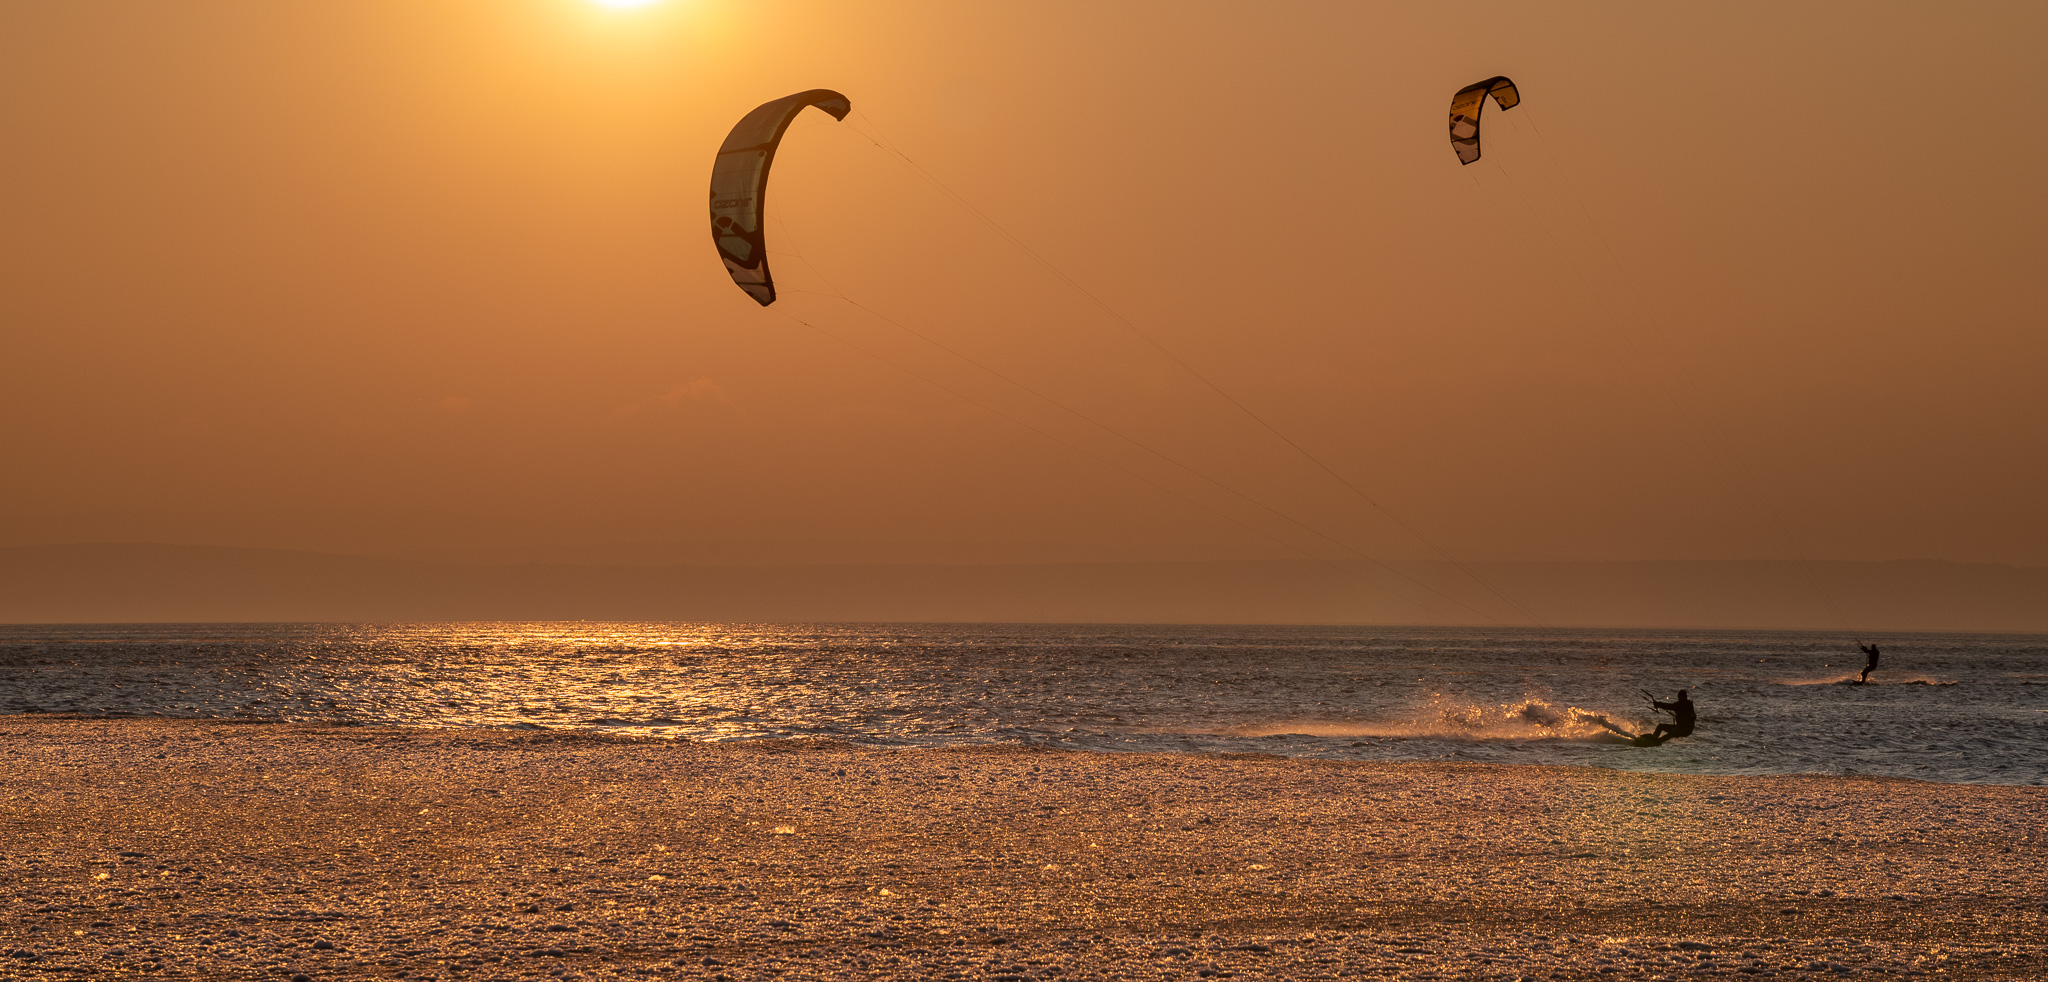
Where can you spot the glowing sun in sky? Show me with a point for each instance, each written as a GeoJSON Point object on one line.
{"type": "Point", "coordinates": [624, 4]}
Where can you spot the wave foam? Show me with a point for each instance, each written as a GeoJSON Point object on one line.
{"type": "Point", "coordinates": [1446, 718]}
{"type": "Point", "coordinates": [1852, 680]}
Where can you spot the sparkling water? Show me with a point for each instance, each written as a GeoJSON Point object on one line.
{"type": "Point", "coordinates": [1960, 708]}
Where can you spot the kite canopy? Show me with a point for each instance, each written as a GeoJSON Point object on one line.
{"type": "Point", "coordinates": [739, 183]}
{"type": "Point", "coordinates": [1465, 107]}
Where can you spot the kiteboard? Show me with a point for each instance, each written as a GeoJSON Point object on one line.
{"type": "Point", "coordinates": [1628, 736]}
{"type": "Point", "coordinates": [1625, 739]}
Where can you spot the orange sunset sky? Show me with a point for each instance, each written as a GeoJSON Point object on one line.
{"type": "Point", "coordinates": [431, 279]}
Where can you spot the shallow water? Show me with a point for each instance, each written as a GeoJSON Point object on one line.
{"type": "Point", "coordinates": [1964, 708]}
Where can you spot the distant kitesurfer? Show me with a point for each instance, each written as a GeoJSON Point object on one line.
{"type": "Point", "coordinates": [1682, 718]}
{"type": "Point", "coordinates": [1869, 653]}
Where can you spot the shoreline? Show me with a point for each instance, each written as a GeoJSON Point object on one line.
{"type": "Point", "coordinates": [256, 849]}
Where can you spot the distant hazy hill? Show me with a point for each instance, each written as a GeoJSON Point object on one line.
{"type": "Point", "coordinates": [97, 583]}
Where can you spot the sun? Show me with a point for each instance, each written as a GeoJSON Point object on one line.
{"type": "Point", "coordinates": [624, 4]}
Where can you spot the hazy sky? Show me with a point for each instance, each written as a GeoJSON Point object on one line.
{"type": "Point", "coordinates": [432, 278]}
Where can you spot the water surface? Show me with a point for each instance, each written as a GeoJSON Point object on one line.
{"type": "Point", "coordinates": [1964, 708]}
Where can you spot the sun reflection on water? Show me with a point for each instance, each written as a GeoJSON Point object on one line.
{"type": "Point", "coordinates": [1341, 692]}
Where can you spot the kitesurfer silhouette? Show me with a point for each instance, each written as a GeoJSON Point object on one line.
{"type": "Point", "coordinates": [1870, 653]}
{"type": "Point", "coordinates": [1682, 718]}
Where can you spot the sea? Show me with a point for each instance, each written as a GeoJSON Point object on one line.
{"type": "Point", "coordinates": [1949, 708]}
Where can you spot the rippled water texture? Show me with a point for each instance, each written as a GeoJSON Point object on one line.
{"type": "Point", "coordinates": [1944, 708]}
